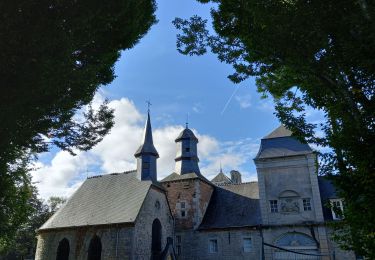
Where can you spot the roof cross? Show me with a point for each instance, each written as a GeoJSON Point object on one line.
{"type": "Point", "coordinates": [148, 105]}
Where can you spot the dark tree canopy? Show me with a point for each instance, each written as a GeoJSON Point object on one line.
{"type": "Point", "coordinates": [317, 54]}
{"type": "Point", "coordinates": [54, 56]}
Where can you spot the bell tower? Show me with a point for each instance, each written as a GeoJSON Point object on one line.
{"type": "Point", "coordinates": [187, 156]}
{"type": "Point", "coordinates": [146, 155]}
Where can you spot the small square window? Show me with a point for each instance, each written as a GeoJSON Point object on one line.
{"type": "Point", "coordinates": [146, 165]}
{"type": "Point", "coordinates": [187, 149]}
{"type": "Point", "coordinates": [247, 244]}
{"type": "Point", "coordinates": [273, 206]}
{"type": "Point", "coordinates": [306, 204]}
{"type": "Point", "coordinates": [212, 246]}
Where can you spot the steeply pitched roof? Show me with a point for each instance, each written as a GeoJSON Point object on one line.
{"type": "Point", "coordinates": [327, 192]}
{"type": "Point", "coordinates": [147, 146]}
{"type": "Point", "coordinates": [280, 143]}
{"type": "Point", "coordinates": [221, 178]}
{"type": "Point", "coordinates": [281, 131]}
{"type": "Point", "coordinates": [233, 205]}
{"type": "Point", "coordinates": [176, 177]}
{"type": "Point", "coordinates": [105, 199]}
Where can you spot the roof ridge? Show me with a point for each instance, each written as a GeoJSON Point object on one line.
{"type": "Point", "coordinates": [227, 184]}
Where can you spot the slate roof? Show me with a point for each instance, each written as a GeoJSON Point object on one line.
{"type": "Point", "coordinates": [221, 178]}
{"type": "Point", "coordinates": [186, 134]}
{"type": "Point", "coordinates": [327, 192]}
{"type": "Point", "coordinates": [280, 143]}
{"type": "Point", "coordinates": [104, 199]}
{"type": "Point", "coordinates": [147, 146]}
{"type": "Point", "coordinates": [176, 177]}
{"type": "Point", "coordinates": [233, 205]}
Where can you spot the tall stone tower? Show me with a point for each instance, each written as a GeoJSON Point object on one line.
{"type": "Point", "coordinates": [188, 191]}
{"type": "Point", "coordinates": [147, 155]}
{"type": "Point", "coordinates": [187, 156]}
{"type": "Point", "coordinates": [288, 187]}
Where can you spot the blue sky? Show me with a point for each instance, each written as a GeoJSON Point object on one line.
{"type": "Point", "coordinates": [176, 85]}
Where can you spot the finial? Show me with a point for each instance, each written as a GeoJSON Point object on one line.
{"type": "Point", "coordinates": [148, 105]}
{"type": "Point", "coordinates": [221, 169]}
{"type": "Point", "coordinates": [187, 120]}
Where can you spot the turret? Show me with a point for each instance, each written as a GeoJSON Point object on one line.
{"type": "Point", "coordinates": [235, 177]}
{"type": "Point", "coordinates": [146, 155]}
{"type": "Point", "coordinates": [187, 157]}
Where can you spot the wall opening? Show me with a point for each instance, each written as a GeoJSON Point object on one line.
{"type": "Point", "coordinates": [63, 250]}
{"type": "Point", "coordinates": [156, 239]}
{"type": "Point", "coordinates": [95, 249]}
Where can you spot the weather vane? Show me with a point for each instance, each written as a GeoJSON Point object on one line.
{"type": "Point", "coordinates": [187, 120]}
{"type": "Point", "coordinates": [148, 105]}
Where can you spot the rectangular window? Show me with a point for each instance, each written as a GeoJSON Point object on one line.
{"type": "Point", "coordinates": [146, 165]}
{"type": "Point", "coordinates": [182, 205]}
{"type": "Point", "coordinates": [337, 208]}
{"type": "Point", "coordinates": [187, 149]}
{"type": "Point", "coordinates": [212, 246]}
{"type": "Point", "coordinates": [247, 244]}
{"type": "Point", "coordinates": [183, 214]}
{"type": "Point", "coordinates": [273, 206]}
{"type": "Point", "coordinates": [306, 204]}
{"type": "Point", "coordinates": [178, 245]}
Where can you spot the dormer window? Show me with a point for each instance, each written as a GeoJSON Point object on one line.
{"type": "Point", "coordinates": [337, 208]}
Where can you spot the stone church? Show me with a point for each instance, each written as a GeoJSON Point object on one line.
{"type": "Point", "coordinates": [132, 215]}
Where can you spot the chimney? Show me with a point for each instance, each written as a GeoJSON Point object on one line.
{"type": "Point", "coordinates": [235, 177]}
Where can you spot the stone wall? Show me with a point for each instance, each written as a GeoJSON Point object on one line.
{"type": "Point", "coordinates": [116, 242]}
{"type": "Point", "coordinates": [230, 244]}
{"type": "Point", "coordinates": [143, 224]}
{"type": "Point", "coordinates": [195, 194]}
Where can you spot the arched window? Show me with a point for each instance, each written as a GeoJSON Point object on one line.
{"type": "Point", "coordinates": [95, 249]}
{"type": "Point", "coordinates": [63, 250]}
{"type": "Point", "coordinates": [156, 238]}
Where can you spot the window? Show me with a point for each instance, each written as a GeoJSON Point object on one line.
{"type": "Point", "coordinates": [247, 244]}
{"type": "Point", "coordinates": [146, 165]}
{"type": "Point", "coordinates": [187, 149]}
{"type": "Point", "coordinates": [63, 250]}
{"type": "Point", "coordinates": [182, 205]}
{"type": "Point", "coordinates": [337, 208]}
{"type": "Point", "coordinates": [306, 204]}
{"type": "Point", "coordinates": [212, 246]}
{"type": "Point", "coordinates": [273, 206]}
{"type": "Point", "coordinates": [178, 245]}
{"type": "Point", "coordinates": [95, 249]}
{"type": "Point", "coordinates": [183, 213]}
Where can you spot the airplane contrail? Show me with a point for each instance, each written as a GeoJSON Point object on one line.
{"type": "Point", "coordinates": [230, 99]}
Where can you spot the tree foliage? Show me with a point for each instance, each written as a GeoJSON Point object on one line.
{"type": "Point", "coordinates": [54, 56]}
{"type": "Point", "coordinates": [305, 54]}
{"type": "Point", "coordinates": [23, 244]}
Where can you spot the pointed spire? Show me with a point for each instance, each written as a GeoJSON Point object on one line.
{"type": "Point", "coordinates": [147, 146]}
{"type": "Point", "coordinates": [146, 154]}
{"type": "Point", "coordinates": [221, 169]}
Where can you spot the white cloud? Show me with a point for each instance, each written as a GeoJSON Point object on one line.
{"type": "Point", "coordinates": [64, 173]}
{"type": "Point", "coordinates": [197, 108]}
{"type": "Point", "coordinates": [244, 101]}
